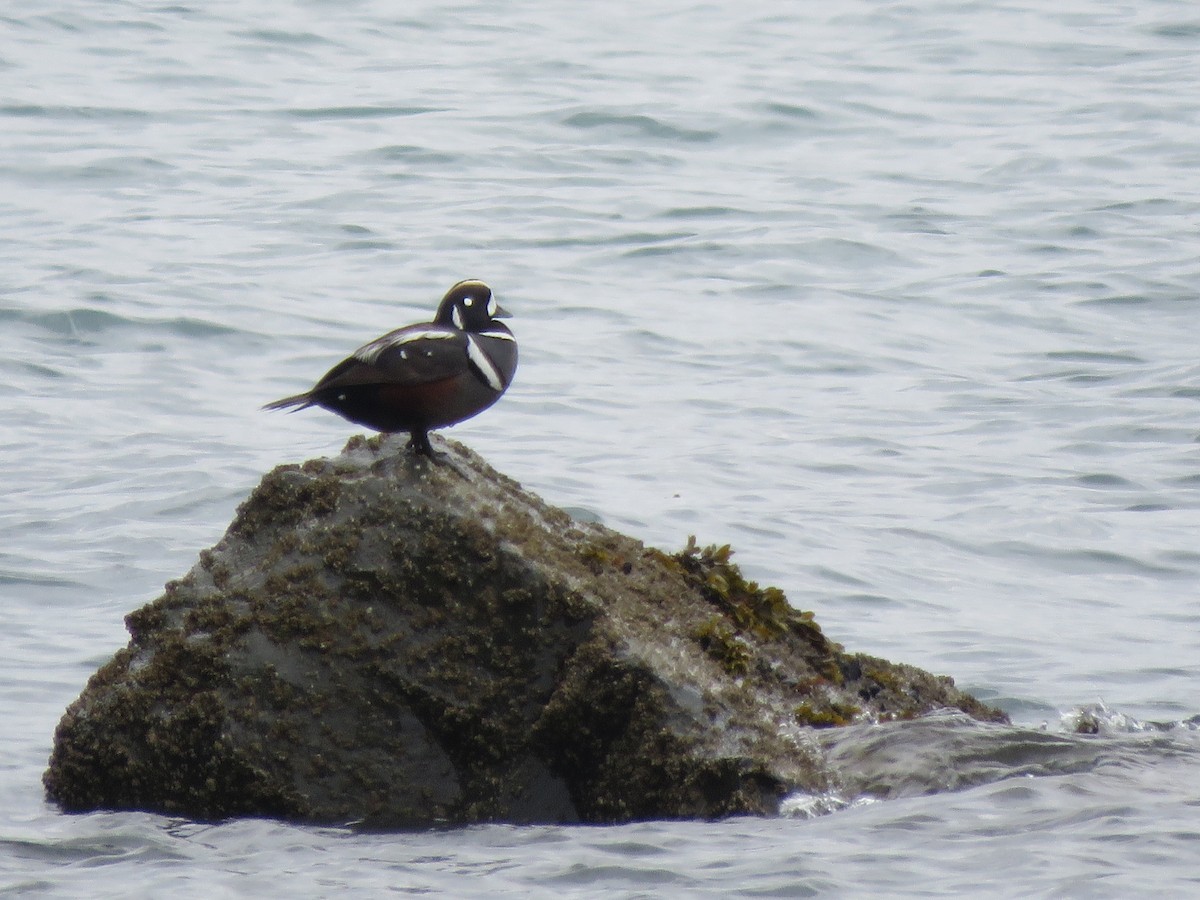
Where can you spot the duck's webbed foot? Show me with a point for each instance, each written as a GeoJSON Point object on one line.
{"type": "Point", "coordinates": [418, 443]}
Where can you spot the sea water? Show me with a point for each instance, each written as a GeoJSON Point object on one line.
{"type": "Point", "coordinates": [900, 300]}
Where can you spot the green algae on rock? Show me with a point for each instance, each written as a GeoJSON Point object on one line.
{"type": "Point", "coordinates": [384, 641]}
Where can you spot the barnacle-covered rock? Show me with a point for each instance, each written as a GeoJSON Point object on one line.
{"type": "Point", "coordinates": [383, 640]}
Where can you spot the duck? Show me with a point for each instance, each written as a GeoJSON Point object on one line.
{"type": "Point", "coordinates": [423, 376]}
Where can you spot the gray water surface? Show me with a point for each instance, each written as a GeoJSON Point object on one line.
{"type": "Point", "coordinates": [900, 300]}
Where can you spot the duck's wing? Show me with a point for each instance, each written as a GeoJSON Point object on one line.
{"type": "Point", "coordinates": [410, 356]}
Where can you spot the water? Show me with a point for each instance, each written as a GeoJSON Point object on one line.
{"type": "Point", "coordinates": [900, 300]}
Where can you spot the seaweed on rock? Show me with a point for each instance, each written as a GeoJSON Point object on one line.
{"type": "Point", "coordinates": [381, 640]}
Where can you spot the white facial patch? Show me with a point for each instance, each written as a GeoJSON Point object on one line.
{"type": "Point", "coordinates": [493, 307]}
{"type": "Point", "coordinates": [456, 316]}
{"type": "Point", "coordinates": [484, 367]}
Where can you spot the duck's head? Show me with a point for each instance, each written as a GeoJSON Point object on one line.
{"type": "Point", "coordinates": [469, 305]}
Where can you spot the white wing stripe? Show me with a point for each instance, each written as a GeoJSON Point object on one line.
{"type": "Point", "coordinates": [483, 365]}
{"type": "Point", "coordinates": [370, 353]}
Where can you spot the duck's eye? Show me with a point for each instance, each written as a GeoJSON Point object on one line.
{"type": "Point", "coordinates": [468, 301]}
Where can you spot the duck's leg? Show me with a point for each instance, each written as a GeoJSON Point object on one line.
{"type": "Point", "coordinates": [418, 442]}
{"type": "Point", "coordinates": [420, 446]}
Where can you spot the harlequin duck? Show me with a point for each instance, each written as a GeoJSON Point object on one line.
{"type": "Point", "coordinates": [423, 376]}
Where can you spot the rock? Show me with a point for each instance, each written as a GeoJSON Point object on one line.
{"type": "Point", "coordinates": [384, 641]}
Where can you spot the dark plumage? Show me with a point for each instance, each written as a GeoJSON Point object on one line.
{"type": "Point", "coordinates": [423, 376]}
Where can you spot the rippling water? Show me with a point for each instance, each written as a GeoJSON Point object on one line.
{"type": "Point", "coordinates": [901, 300]}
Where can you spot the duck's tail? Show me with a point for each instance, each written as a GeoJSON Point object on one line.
{"type": "Point", "coordinates": [299, 401]}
